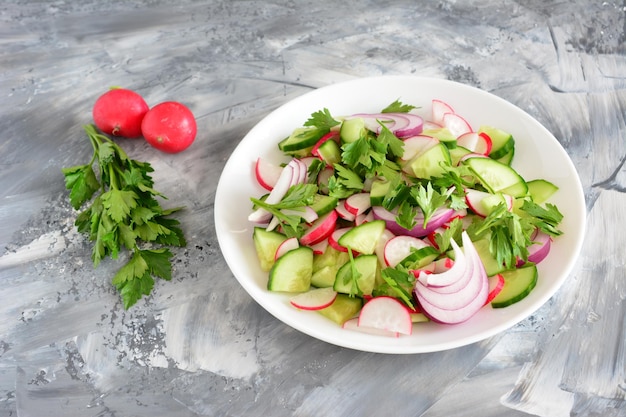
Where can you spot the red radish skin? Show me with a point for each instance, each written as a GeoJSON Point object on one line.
{"type": "Point", "coordinates": [496, 283]}
{"type": "Point", "coordinates": [332, 135]}
{"type": "Point", "coordinates": [315, 299]}
{"type": "Point", "coordinates": [281, 187]}
{"type": "Point", "coordinates": [321, 229]}
{"type": "Point", "coordinates": [120, 112]}
{"type": "Point", "coordinates": [169, 126]}
{"type": "Point", "coordinates": [343, 212]}
{"type": "Point", "coordinates": [320, 247]}
{"type": "Point", "coordinates": [333, 239]}
{"type": "Point", "coordinates": [386, 313]}
{"type": "Point", "coordinates": [479, 143]}
{"type": "Point", "coordinates": [266, 173]}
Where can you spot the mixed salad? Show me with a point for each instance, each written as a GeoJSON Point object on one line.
{"type": "Point", "coordinates": [378, 221]}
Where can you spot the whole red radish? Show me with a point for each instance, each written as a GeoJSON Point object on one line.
{"type": "Point", "coordinates": [169, 126]}
{"type": "Point", "coordinates": [119, 112]}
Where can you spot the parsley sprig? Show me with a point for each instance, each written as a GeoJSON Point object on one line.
{"type": "Point", "coordinates": [123, 214]}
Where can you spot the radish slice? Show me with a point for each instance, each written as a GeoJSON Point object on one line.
{"type": "Point", "coordinates": [481, 202]}
{"type": "Point", "coordinates": [353, 324]}
{"type": "Point", "coordinates": [357, 203]}
{"type": "Point", "coordinates": [333, 239]}
{"type": "Point", "coordinates": [496, 283]}
{"type": "Point", "coordinates": [321, 229]}
{"type": "Point", "coordinates": [281, 187]}
{"type": "Point", "coordinates": [430, 125]}
{"type": "Point", "coordinates": [287, 245]}
{"type": "Point", "coordinates": [343, 212]}
{"type": "Point", "coordinates": [320, 247]}
{"type": "Point", "coordinates": [476, 142]}
{"type": "Point", "coordinates": [267, 173]}
{"type": "Point", "coordinates": [386, 313]}
{"type": "Point", "coordinates": [363, 218]}
{"type": "Point", "coordinates": [417, 145]}
{"type": "Point", "coordinates": [439, 108]}
{"type": "Point", "coordinates": [322, 179]}
{"type": "Point", "coordinates": [457, 125]}
{"type": "Point", "coordinates": [399, 247]}
{"type": "Point", "coordinates": [315, 299]}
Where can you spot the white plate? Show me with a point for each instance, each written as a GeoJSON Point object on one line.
{"type": "Point", "coordinates": [538, 155]}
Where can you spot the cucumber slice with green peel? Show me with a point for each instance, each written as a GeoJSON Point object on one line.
{"type": "Point", "coordinates": [363, 238]}
{"type": "Point", "coordinates": [508, 158]}
{"type": "Point", "coordinates": [330, 152]}
{"type": "Point", "coordinates": [518, 283]}
{"type": "Point", "coordinates": [342, 309]}
{"type": "Point", "coordinates": [323, 204]}
{"type": "Point", "coordinates": [352, 130]}
{"type": "Point", "coordinates": [501, 142]}
{"type": "Point", "coordinates": [266, 243]}
{"type": "Point", "coordinates": [301, 139]}
{"type": "Point", "coordinates": [292, 272]}
{"type": "Point", "coordinates": [378, 191]}
{"type": "Point", "coordinates": [366, 266]}
{"type": "Point", "coordinates": [541, 190]}
{"type": "Point", "coordinates": [497, 177]}
{"type": "Point", "coordinates": [429, 164]}
{"type": "Point", "coordinates": [420, 258]}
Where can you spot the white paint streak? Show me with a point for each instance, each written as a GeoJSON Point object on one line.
{"type": "Point", "coordinates": [194, 341]}
{"type": "Point", "coordinates": [45, 246]}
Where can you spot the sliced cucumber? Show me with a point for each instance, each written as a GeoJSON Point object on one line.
{"type": "Point", "coordinates": [292, 272]}
{"type": "Point", "coordinates": [497, 177]}
{"type": "Point", "coordinates": [343, 308]}
{"type": "Point", "coordinates": [420, 258]}
{"type": "Point", "coordinates": [508, 158]}
{"type": "Point", "coordinates": [302, 139]}
{"type": "Point", "coordinates": [501, 142]}
{"type": "Point", "coordinates": [444, 135]}
{"type": "Point", "coordinates": [457, 153]}
{"type": "Point", "coordinates": [352, 129]}
{"type": "Point", "coordinates": [326, 265]}
{"type": "Point", "coordinates": [329, 152]}
{"type": "Point", "coordinates": [378, 191]}
{"type": "Point", "coordinates": [541, 190]}
{"type": "Point", "coordinates": [492, 267]}
{"type": "Point", "coordinates": [363, 238]}
{"type": "Point", "coordinates": [430, 163]}
{"type": "Point", "coordinates": [266, 243]}
{"type": "Point", "coordinates": [366, 266]}
{"type": "Point", "coordinates": [518, 283]}
{"type": "Point", "coordinates": [323, 204]}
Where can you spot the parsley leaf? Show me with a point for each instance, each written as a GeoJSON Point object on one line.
{"type": "Point", "coordinates": [322, 120]}
{"type": "Point", "coordinates": [428, 199]}
{"type": "Point", "coordinates": [344, 183]}
{"type": "Point", "coordinates": [398, 107]}
{"type": "Point", "coordinates": [399, 282]}
{"type": "Point", "coordinates": [123, 213]}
